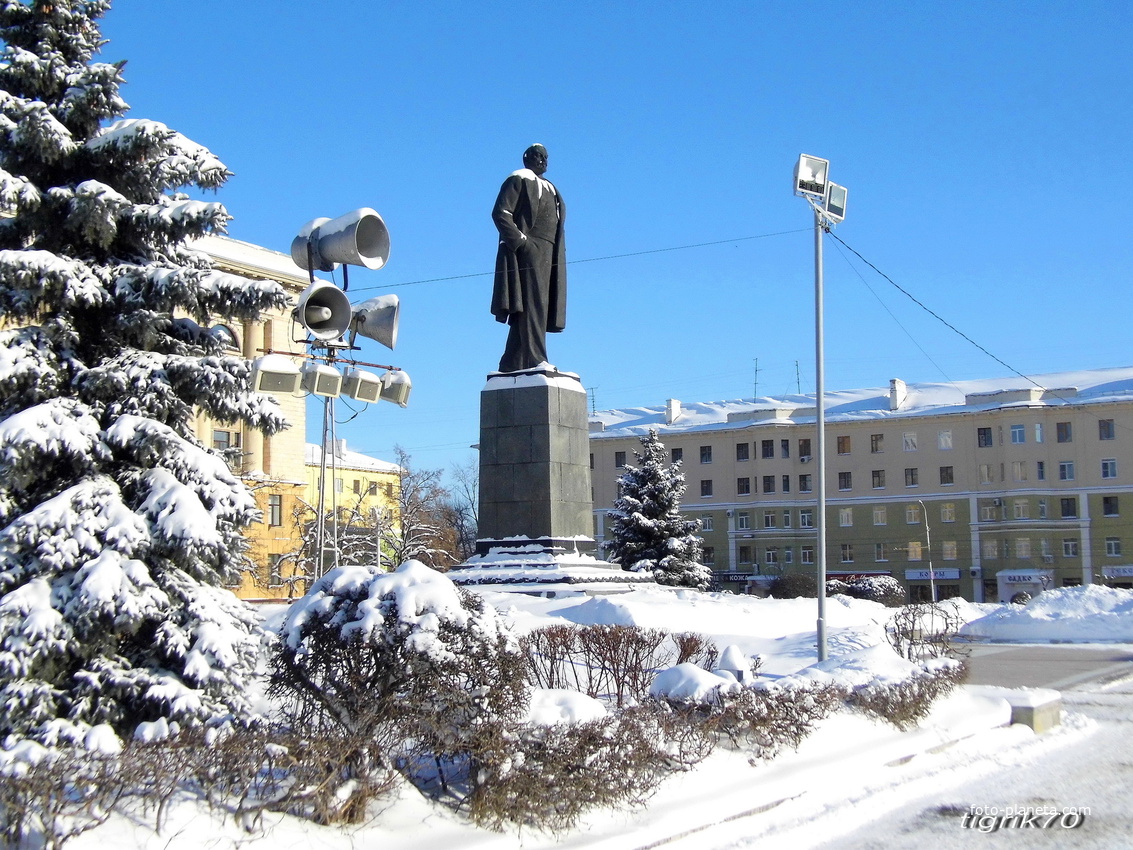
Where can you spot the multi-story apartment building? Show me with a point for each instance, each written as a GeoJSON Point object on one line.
{"type": "Point", "coordinates": [999, 485]}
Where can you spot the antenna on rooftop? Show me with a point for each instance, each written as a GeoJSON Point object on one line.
{"type": "Point", "coordinates": [593, 402]}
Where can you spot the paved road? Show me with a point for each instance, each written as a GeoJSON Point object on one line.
{"type": "Point", "coordinates": [1040, 666]}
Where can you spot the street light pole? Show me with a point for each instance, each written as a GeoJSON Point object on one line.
{"type": "Point", "coordinates": [928, 545]}
{"type": "Point", "coordinates": [820, 441]}
{"type": "Point", "coordinates": [828, 200]}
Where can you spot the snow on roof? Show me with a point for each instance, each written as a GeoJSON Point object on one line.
{"type": "Point", "coordinates": [1051, 390]}
{"type": "Point", "coordinates": [346, 459]}
{"type": "Point", "coordinates": [252, 259]}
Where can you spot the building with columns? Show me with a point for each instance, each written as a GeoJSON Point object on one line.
{"type": "Point", "coordinates": [999, 485]}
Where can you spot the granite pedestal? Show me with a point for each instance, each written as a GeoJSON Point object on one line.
{"type": "Point", "coordinates": [536, 512]}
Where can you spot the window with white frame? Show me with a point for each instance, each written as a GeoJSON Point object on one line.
{"type": "Point", "coordinates": [1038, 432]}
{"type": "Point", "coordinates": [879, 552]}
{"type": "Point", "coordinates": [1022, 509]}
{"type": "Point", "coordinates": [948, 512]}
{"type": "Point", "coordinates": [880, 515]}
{"type": "Point", "coordinates": [743, 486]}
{"type": "Point", "coordinates": [914, 550]}
{"type": "Point", "coordinates": [806, 518]}
{"type": "Point", "coordinates": [1109, 468]}
{"type": "Point", "coordinates": [1066, 470]}
{"type": "Point", "coordinates": [845, 517]}
{"type": "Point", "coordinates": [788, 555]}
{"type": "Point", "coordinates": [706, 522]}
{"type": "Point", "coordinates": [275, 510]}
{"type": "Point", "coordinates": [948, 550]}
{"type": "Point", "coordinates": [990, 550]}
{"type": "Point", "coordinates": [743, 521]}
{"type": "Point", "coordinates": [878, 478]}
{"type": "Point", "coordinates": [1018, 434]}
{"type": "Point", "coordinates": [1044, 548]}
{"type": "Point", "coordinates": [1040, 470]}
{"type": "Point", "coordinates": [909, 441]}
{"type": "Point", "coordinates": [944, 440]}
{"type": "Point", "coordinates": [1019, 470]}
{"type": "Point", "coordinates": [1070, 547]}
{"type": "Point", "coordinates": [989, 513]}
{"type": "Point", "coordinates": [769, 519]}
{"type": "Point", "coordinates": [804, 483]}
{"type": "Point", "coordinates": [786, 519]}
{"type": "Point", "coordinates": [768, 483]}
{"type": "Point", "coordinates": [912, 514]}
{"type": "Point", "coordinates": [876, 443]}
{"type": "Point", "coordinates": [985, 473]}
{"type": "Point", "coordinates": [771, 556]}
{"type": "Point", "coordinates": [1042, 508]}
{"type": "Point", "coordinates": [706, 454]}
{"type": "Point", "coordinates": [847, 553]}
{"type": "Point", "coordinates": [1022, 547]}
{"type": "Point", "coordinates": [1113, 546]}
{"type": "Point", "coordinates": [1105, 429]}
{"type": "Point", "coordinates": [806, 555]}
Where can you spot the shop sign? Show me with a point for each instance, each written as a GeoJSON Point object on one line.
{"type": "Point", "coordinates": [937, 575]}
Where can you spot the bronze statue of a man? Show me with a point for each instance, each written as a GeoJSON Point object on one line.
{"type": "Point", "coordinates": [530, 286]}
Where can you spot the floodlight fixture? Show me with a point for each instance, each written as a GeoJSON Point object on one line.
{"type": "Point", "coordinates": [396, 387]}
{"type": "Point", "coordinates": [275, 373]}
{"type": "Point", "coordinates": [834, 203]}
{"type": "Point", "coordinates": [810, 175]}
{"type": "Point", "coordinates": [321, 379]}
{"type": "Point", "coordinates": [362, 386]}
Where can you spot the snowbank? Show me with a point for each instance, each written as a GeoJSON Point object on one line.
{"type": "Point", "coordinates": [1068, 614]}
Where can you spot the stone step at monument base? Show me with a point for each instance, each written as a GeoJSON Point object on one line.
{"type": "Point", "coordinates": [544, 567]}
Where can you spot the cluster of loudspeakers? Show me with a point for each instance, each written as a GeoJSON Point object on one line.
{"type": "Point", "coordinates": [358, 238]}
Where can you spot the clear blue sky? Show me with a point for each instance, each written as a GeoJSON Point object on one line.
{"type": "Point", "coordinates": [986, 147]}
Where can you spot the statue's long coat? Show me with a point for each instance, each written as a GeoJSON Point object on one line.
{"type": "Point", "coordinates": [513, 214]}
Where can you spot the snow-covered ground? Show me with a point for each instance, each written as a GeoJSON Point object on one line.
{"type": "Point", "coordinates": [852, 777]}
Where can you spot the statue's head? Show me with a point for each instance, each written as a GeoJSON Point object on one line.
{"type": "Point", "coordinates": [535, 158]}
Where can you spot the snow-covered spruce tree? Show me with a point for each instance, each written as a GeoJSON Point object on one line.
{"type": "Point", "coordinates": [648, 532]}
{"type": "Point", "coordinates": [116, 525]}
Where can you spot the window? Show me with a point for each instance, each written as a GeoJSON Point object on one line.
{"type": "Point", "coordinates": [1063, 432]}
{"type": "Point", "coordinates": [706, 454]}
{"type": "Point", "coordinates": [843, 445]}
{"type": "Point", "coordinates": [1018, 434]}
{"type": "Point", "coordinates": [1022, 509]}
{"type": "Point", "coordinates": [743, 555]}
{"type": "Point", "coordinates": [1109, 468]}
{"type": "Point", "coordinates": [1022, 547]}
{"type": "Point", "coordinates": [771, 556]}
{"type": "Point", "coordinates": [743, 521]}
{"type": "Point", "coordinates": [911, 476]}
{"type": "Point", "coordinates": [743, 452]}
{"type": "Point", "coordinates": [876, 443]}
{"type": "Point", "coordinates": [804, 448]}
{"type": "Point", "coordinates": [1044, 549]}
{"type": "Point", "coordinates": [944, 440]}
{"type": "Point", "coordinates": [788, 555]}
{"type": "Point", "coordinates": [768, 483]}
{"type": "Point", "coordinates": [677, 455]}
{"type": "Point", "coordinates": [1109, 505]}
{"type": "Point", "coordinates": [357, 487]}
{"type": "Point", "coordinates": [1105, 429]}
{"type": "Point", "coordinates": [1113, 546]}
{"type": "Point", "coordinates": [878, 476]}
{"type": "Point", "coordinates": [1066, 470]}
{"type": "Point", "coordinates": [706, 522]}
{"type": "Point", "coordinates": [786, 519]}
{"type": "Point", "coordinates": [909, 441]}
{"type": "Point", "coordinates": [1042, 508]}
{"type": "Point", "coordinates": [1038, 432]}
{"type": "Point", "coordinates": [880, 515]}
{"type": "Point", "coordinates": [275, 572]}
{"type": "Point", "coordinates": [743, 486]}
{"type": "Point", "coordinates": [985, 473]}
{"type": "Point", "coordinates": [224, 440]}
{"type": "Point", "coordinates": [1018, 470]}
{"type": "Point", "coordinates": [947, 476]}
{"type": "Point", "coordinates": [784, 448]}
{"type": "Point", "coordinates": [845, 517]}
{"type": "Point", "coordinates": [914, 550]}
{"type": "Point", "coordinates": [1068, 505]}
{"type": "Point", "coordinates": [338, 485]}
{"type": "Point", "coordinates": [806, 518]}
{"type": "Point", "coordinates": [912, 514]}
{"type": "Point", "coordinates": [786, 484]}
{"type": "Point", "coordinates": [275, 510]}
{"type": "Point", "coordinates": [948, 550]}
{"type": "Point", "coordinates": [847, 553]}
{"type": "Point", "coordinates": [1070, 547]}
{"type": "Point", "coordinates": [989, 513]}
{"type": "Point", "coordinates": [983, 438]}
{"type": "Point", "coordinates": [879, 553]}
{"type": "Point", "coordinates": [767, 448]}
{"type": "Point", "coordinates": [706, 487]}
{"type": "Point", "coordinates": [619, 459]}
{"type": "Point", "coordinates": [769, 519]}
{"type": "Point", "coordinates": [804, 483]}
{"type": "Point", "coordinates": [948, 512]}
{"type": "Point", "coordinates": [845, 481]}
{"type": "Point", "coordinates": [806, 555]}
{"type": "Point", "coordinates": [990, 549]}
{"type": "Point", "coordinates": [1040, 470]}
{"type": "Point", "coordinates": [372, 488]}
{"type": "Point", "coordinates": [709, 555]}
